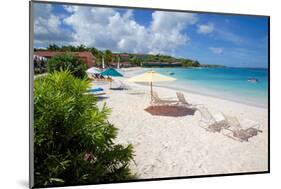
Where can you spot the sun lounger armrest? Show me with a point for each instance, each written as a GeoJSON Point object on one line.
{"type": "Point", "coordinates": [198, 105]}
{"type": "Point", "coordinates": [256, 126]}
{"type": "Point", "coordinates": [169, 98]}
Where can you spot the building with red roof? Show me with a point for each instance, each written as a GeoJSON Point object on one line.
{"type": "Point", "coordinates": [87, 57]}
{"type": "Point", "coordinates": [121, 64]}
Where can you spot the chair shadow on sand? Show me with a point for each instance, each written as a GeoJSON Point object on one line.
{"type": "Point", "coordinates": [101, 98]}
{"type": "Point", "coordinates": [171, 111]}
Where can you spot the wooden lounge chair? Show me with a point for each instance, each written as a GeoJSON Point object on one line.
{"type": "Point", "coordinates": [237, 132]}
{"type": "Point", "coordinates": [157, 101]}
{"type": "Point", "coordinates": [183, 101]}
{"type": "Point", "coordinates": [98, 77]}
{"type": "Point", "coordinates": [124, 86]}
{"type": "Point", "coordinates": [121, 86]}
{"type": "Point", "coordinates": [210, 122]}
{"type": "Point", "coordinates": [230, 126]}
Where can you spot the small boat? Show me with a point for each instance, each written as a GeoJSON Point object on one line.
{"type": "Point", "coordinates": [171, 73]}
{"type": "Point", "coordinates": [253, 80]}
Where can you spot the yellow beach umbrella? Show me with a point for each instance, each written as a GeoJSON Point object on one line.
{"type": "Point", "coordinates": [149, 77]}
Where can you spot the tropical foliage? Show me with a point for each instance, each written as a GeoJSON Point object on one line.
{"type": "Point", "coordinates": [73, 141]}
{"type": "Point", "coordinates": [190, 63]}
{"type": "Point", "coordinates": [159, 58]}
{"type": "Point", "coordinates": [67, 61]}
{"type": "Point", "coordinates": [108, 56]}
{"type": "Point", "coordinates": [134, 59]}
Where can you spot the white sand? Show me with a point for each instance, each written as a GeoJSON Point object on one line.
{"type": "Point", "coordinates": [177, 146]}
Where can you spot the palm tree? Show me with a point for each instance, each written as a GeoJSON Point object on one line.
{"type": "Point", "coordinates": [99, 56]}
{"type": "Point", "coordinates": [81, 48]}
{"type": "Point", "coordinates": [108, 57]}
{"type": "Point", "coordinates": [53, 47]}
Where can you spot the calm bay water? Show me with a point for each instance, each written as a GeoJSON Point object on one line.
{"type": "Point", "coordinates": [228, 83]}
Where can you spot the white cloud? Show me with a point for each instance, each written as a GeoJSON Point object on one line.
{"type": "Point", "coordinates": [167, 30]}
{"type": "Point", "coordinates": [205, 28]}
{"type": "Point", "coordinates": [216, 50]}
{"type": "Point", "coordinates": [167, 21]}
{"type": "Point", "coordinates": [221, 33]}
{"type": "Point", "coordinates": [47, 27]}
{"type": "Point", "coordinates": [107, 28]}
{"type": "Point", "coordinates": [70, 8]}
{"type": "Point", "coordinates": [227, 35]}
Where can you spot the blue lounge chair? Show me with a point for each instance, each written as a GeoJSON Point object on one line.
{"type": "Point", "coordinates": [96, 89]}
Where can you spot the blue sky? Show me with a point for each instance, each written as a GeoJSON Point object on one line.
{"type": "Point", "coordinates": [231, 40]}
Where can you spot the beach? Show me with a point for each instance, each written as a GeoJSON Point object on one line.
{"type": "Point", "coordinates": [175, 146]}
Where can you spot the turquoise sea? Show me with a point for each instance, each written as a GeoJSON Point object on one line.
{"type": "Point", "coordinates": [227, 83]}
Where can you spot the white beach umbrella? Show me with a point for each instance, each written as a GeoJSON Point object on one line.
{"type": "Point", "coordinates": [93, 70]}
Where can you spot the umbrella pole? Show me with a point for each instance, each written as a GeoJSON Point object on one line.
{"type": "Point", "coordinates": [151, 91]}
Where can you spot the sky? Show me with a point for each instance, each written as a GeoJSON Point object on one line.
{"type": "Point", "coordinates": [230, 40]}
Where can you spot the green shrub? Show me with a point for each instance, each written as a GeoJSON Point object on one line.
{"type": "Point", "coordinates": [73, 141]}
{"type": "Point", "coordinates": [67, 61]}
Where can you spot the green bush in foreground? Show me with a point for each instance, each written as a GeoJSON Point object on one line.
{"type": "Point", "coordinates": [67, 61]}
{"type": "Point", "coordinates": [73, 141]}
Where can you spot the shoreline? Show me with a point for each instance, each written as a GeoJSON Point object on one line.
{"type": "Point", "coordinates": [129, 72]}
{"type": "Point", "coordinates": [215, 96]}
